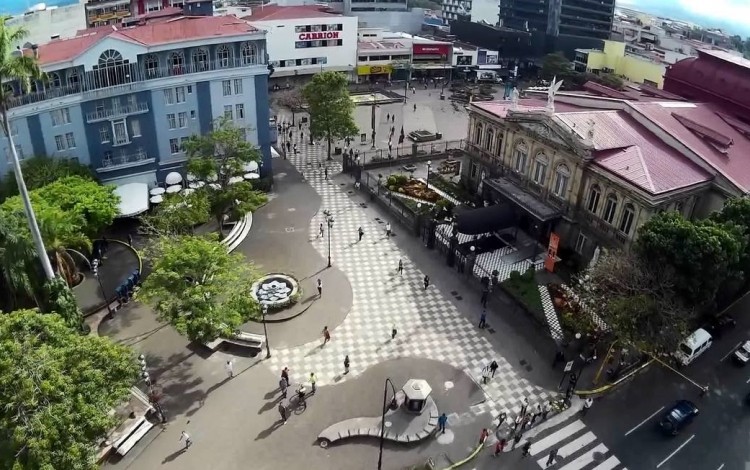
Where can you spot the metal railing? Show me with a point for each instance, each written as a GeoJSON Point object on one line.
{"type": "Point", "coordinates": [117, 112]}
{"type": "Point", "coordinates": [404, 152]}
{"type": "Point", "coordinates": [121, 160]}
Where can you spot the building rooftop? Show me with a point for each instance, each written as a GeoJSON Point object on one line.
{"type": "Point", "coordinates": [727, 57]}
{"type": "Point", "coordinates": [151, 34]}
{"type": "Point", "coordinates": [277, 13]}
{"type": "Point", "coordinates": [381, 45]}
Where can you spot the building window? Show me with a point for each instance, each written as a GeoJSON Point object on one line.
{"type": "Point", "coordinates": [237, 86]}
{"type": "Point", "coordinates": [610, 208]}
{"type": "Point", "coordinates": [223, 55]}
{"type": "Point", "coordinates": [200, 58]}
{"type": "Point", "coordinates": [240, 111]}
{"type": "Point", "coordinates": [562, 176]}
{"type": "Point", "coordinates": [54, 80]}
{"type": "Point", "coordinates": [243, 133]}
{"type": "Point", "coordinates": [249, 53]}
{"type": "Point", "coordinates": [226, 86]}
{"type": "Point", "coordinates": [104, 134]}
{"type": "Point", "coordinates": [499, 148]}
{"type": "Point", "coordinates": [152, 65]}
{"type": "Point", "coordinates": [60, 143]}
{"type": "Point", "coordinates": [180, 94]}
{"type": "Point", "coordinates": [190, 89]}
{"type": "Point", "coordinates": [478, 134]}
{"type": "Point", "coordinates": [120, 131]}
{"type": "Point", "coordinates": [593, 201]}
{"type": "Point", "coordinates": [626, 220]}
{"type": "Point", "coordinates": [171, 121]}
{"type": "Point", "coordinates": [182, 118]}
{"type": "Point", "coordinates": [73, 78]}
{"type": "Point", "coordinates": [174, 146]}
{"type": "Point", "coordinates": [60, 116]}
{"type": "Point", "coordinates": [70, 139]}
{"type": "Point", "coordinates": [107, 159]}
{"type": "Point", "coordinates": [581, 243]}
{"type": "Point", "coordinates": [135, 127]}
{"type": "Point", "coordinates": [177, 62]}
{"type": "Point", "coordinates": [540, 168]}
{"type": "Point", "coordinates": [192, 114]}
{"type": "Point", "coordinates": [488, 139]}
{"type": "Point", "coordinates": [228, 112]}
{"type": "Point", "coordinates": [168, 96]}
{"type": "Point", "coordinates": [522, 154]}
{"type": "Point", "coordinates": [473, 170]}
{"type": "Point", "coordinates": [183, 141]}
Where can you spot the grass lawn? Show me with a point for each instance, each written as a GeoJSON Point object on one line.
{"type": "Point", "coordinates": [526, 291]}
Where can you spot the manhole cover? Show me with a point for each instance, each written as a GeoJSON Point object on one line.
{"type": "Point", "coordinates": [388, 424]}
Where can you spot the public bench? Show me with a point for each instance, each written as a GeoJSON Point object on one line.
{"type": "Point", "coordinates": [126, 442]}
{"type": "Point", "coordinates": [240, 338]}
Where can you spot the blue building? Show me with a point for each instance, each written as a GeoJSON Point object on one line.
{"type": "Point", "coordinates": [123, 100]}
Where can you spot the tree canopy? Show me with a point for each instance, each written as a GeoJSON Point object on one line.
{"type": "Point", "coordinates": [331, 108]}
{"type": "Point", "coordinates": [57, 388]}
{"type": "Point", "coordinates": [556, 65]}
{"type": "Point", "coordinates": [219, 156]}
{"type": "Point", "coordinates": [178, 214]}
{"type": "Point", "coordinates": [199, 288]}
{"type": "Point", "coordinates": [41, 171]}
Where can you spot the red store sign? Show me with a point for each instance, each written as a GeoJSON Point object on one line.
{"type": "Point", "coordinates": [319, 35]}
{"type": "Point", "coordinates": [432, 49]}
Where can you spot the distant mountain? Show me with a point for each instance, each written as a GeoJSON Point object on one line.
{"type": "Point", "coordinates": [732, 16]}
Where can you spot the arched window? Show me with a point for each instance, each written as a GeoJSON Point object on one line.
{"type": "Point", "coordinates": [54, 80]}
{"type": "Point", "coordinates": [562, 177]}
{"type": "Point", "coordinates": [478, 134]}
{"type": "Point", "coordinates": [541, 162]}
{"type": "Point", "coordinates": [488, 139]}
{"type": "Point", "coordinates": [627, 218]}
{"type": "Point", "coordinates": [595, 193]}
{"type": "Point", "coordinates": [223, 55]}
{"type": "Point", "coordinates": [110, 58]}
{"type": "Point", "coordinates": [73, 78]}
{"type": "Point", "coordinates": [249, 53]}
{"type": "Point", "coordinates": [200, 58]}
{"type": "Point", "coordinates": [152, 65]}
{"type": "Point", "coordinates": [610, 208]}
{"type": "Point", "coordinates": [522, 153]}
{"type": "Point", "coordinates": [177, 62]}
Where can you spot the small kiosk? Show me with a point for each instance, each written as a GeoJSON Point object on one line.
{"type": "Point", "coordinates": [416, 392]}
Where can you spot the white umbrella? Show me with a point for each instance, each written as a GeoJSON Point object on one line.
{"type": "Point", "coordinates": [157, 191]}
{"type": "Point", "coordinates": [174, 189]}
{"type": "Point", "coordinates": [251, 167]}
{"type": "Point", "coordinates": [188, 192]}
{"type": "Point", "coordinates": [252, 176]}
{"type": "Point", "coordinates": [173, 178]}
{"type": "Point", "coordinates": [156, 199]}
{"type": "Point", "coordinates": [214, 186]}
{"type": "Point", "coordinates": [191, 177]}
{"type": "Point", "coordinates": [196, 185]}
{"type": "Point", "coordinates": [235, 179]}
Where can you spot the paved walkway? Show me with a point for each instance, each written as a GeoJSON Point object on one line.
{"type": "Point", "coordinates": [429, 325]}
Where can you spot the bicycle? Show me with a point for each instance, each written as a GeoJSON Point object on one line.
{"type": "Point", "coordinates": [301, 403]}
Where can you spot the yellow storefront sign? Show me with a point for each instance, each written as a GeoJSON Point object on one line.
{"type": "Point", "coordinates": [374, 69]}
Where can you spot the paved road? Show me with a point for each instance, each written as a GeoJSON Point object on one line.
{"type": "Point", "coordinates": [718, 437]}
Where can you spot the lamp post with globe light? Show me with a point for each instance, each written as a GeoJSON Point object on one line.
{"type": "Point", "coordinates": [264, 311]}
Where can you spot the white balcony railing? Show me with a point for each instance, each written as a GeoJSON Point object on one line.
{"type": "Point", "coordinates": [117, 112]}
{"type": "Point", "coordinates": [134, 159]}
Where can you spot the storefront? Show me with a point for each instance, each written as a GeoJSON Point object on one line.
{"type": "Point", "coordinates": [374, 73]}
{"type": "Point", "coordinates": [431, 59]}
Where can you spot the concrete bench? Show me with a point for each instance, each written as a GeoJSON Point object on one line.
{"type": "Point", "coordinates": [241, 338]}
{"type": "Point", "coordinates": [139, 429]}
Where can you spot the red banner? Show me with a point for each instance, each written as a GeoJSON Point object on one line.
{"type": "Point", "coordinates": [432, 49]}
{"type": "Point", "coordinates": [554, 243]}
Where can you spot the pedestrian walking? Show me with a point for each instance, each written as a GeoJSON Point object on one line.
{"type": "Point", "coordinates": [552, 456]}
{"type": "Point", "coordinates": [517, 422]}
{"type": "Point", "coordinates": [537, 413]}
{"type": "Point", "coordinates": [394, 331]}
{"type": "Point", "coordinates": [426, 282]}
{"type": "Point", "coordinates": [485, 296]}
{"type": "Point", "coordinates": [485, 374]}
{"type": "Point", "coordinates": [130, 239]}
{"type": "Point", "coordinates": [500, 447]}
{"type": "Point", "coordinates": [414, 91]}
{"type": "Point", "coordinates": [290, 133]}
{"type": "Point", "coordinates": [326, 335]}
{"type": "Point", "coordinates": [545, 410]}
{"type": "Point", "coordinates": [320, 288]}
{"type": "Point", "coordinates": [387, 117]}
{"type": "Point", "coordinates": [313, 379]}
{"type": "Point", "coordinates": [282, 412]}
{"type": "Point", "coordinates": [526, 449]}
{"type": "Point", "coordinates": [442, 420]}
{"type": "Point", "coordinates": [559, 357]}
{"type": "Point", "coordinates": [400, 269]}
{"type": "Point", "coordinates": [321, 231]}
{"type": "Point", "coordinates": [283, 386]}
{"type": "Point", "coordinates": [526, 422]}
{"type": "Point", "coordinates": [501, 419]}
{"type": "Point", "coordinates": [483, 319]}
{"type": "Point", "coordinates": [388, 229]}
{"type": "Point", "coordinates": [516, 439]}
{"type": "Point", "coordinates": [586, 405]}
{"type": "Point", "coordinates": [415, 107]}
{"type": "Point", "coordinates": [285, 374]}
{"type": "Point", "coordinates": [295, 149]}
{"type": "Point", "coordinates": [346, 364]}
{"type": "Point", "coordinates": [325, 172]}
{"type": "Point", "coordinates": [483, 436]}
{"type": "Point", "coordinates": [524, 405]}
{"type": "Point", "coordinates": [493, 367]}
{"type": "Point", "coordinates": [288, 146]}
{"type": "Point", "coordinates": [184, 436]}
{"type": "Point", "coordinates": [302, 136]}
{"type": "Point", "coordinates": [229, 366]}
{"type": "Point", "coordinates": [360, 234]}
{"type": "Point", "coordinates": [393, 118]}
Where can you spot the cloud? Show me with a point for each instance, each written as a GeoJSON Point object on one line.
{"type": "Point", "coordinates": [733, 11]}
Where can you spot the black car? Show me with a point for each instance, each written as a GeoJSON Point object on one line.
{"type": "Point", "coordinates": [677, 417]}
{"type": "Point", "coordinates": [719, 325]}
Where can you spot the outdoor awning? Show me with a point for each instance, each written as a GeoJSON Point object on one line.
{"type": "Point", "coordinates": [523, 199]}
{"type": "Point", "coordinates": [133, 199]}
{"type": "Point", "coordinates": [485, 219]}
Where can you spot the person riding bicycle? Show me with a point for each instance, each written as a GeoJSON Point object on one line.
{"type": "Point", "coordinates": [301, 393]}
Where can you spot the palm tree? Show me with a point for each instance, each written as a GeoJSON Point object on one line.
{"type": "Point", "coordinates": [59, 236]}
{"type": "Point", "coordinates": [21, 69]}
{"type": "Point", "coordinates": [19, 275]}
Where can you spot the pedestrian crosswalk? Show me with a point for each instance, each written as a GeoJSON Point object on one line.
{"type": "Point", "coordinates": [577, 449]}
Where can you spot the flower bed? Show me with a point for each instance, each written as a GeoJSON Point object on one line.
{"type": "Point", "coordinates": [574, 318]}
{"type": "Point", "coordinates": [411, 187]}
{"type": "Point", "coordinates": [523, 288]}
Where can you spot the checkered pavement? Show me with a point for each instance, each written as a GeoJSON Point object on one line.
{"type": "Point", "coordinates": [428, 324]}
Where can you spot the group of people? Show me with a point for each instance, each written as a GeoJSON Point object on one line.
{"type": "Point", "coordinates": [301, 392]}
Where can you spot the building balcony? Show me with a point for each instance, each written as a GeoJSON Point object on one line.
{"type": "Point", "coordinates": [125, 161]}
{"type": "Point", "coordinates": [602, 229]}
{"type": "Point", "coordinates": [117, 112]}
{"type": "Point", "coordinates": [484, 155]}
{"type": "Point", "coordinates": [103, 83]}
{"type": "Point", "coordinates": [94, 17]}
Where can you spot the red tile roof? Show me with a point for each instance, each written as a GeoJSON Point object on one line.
{"type": "Point", "coordinates": [276, 12]}
{"type": "Point", "coordinates": [604, 90]}
{"type": "Point", "coordinates": [171, 31]}
{"type": "Point", "coordinates": [629, 150]}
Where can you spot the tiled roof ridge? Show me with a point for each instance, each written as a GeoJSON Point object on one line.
{"type": "Point", "coordinates": [741, 127]}
{"type": "Point", "coordinates": [605, 90]}
{"type": "Point", "coordinates": [712, 135]}
{"type": "Point", "coordinates": [653, 91]}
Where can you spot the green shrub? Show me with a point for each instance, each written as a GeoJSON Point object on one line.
{"type": "Point", "coordinates": [514, 276]}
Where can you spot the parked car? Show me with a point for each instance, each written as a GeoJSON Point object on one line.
{"type": "Point", "coordinates": [742, 355]}
{"type": "Point", "coordinates": [410, 168]}
{"type": "Point", "coordinates": [720, 325]}
{"type": "Point", "coordinates": [677, 417]}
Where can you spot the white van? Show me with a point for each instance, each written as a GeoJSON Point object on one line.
{"type": "Point", "coordinates": [693, 346]}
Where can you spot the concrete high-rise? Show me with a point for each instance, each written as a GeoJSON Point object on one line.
{"type": "Point", "coordinates": [581, 18]}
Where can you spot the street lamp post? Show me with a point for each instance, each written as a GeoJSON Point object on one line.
{"type": "Point", "coordinates": [429, 164]}
{"type": "Point", "coordinates": [264, 311]}
{"type": "Point", "coordinates": [382, 417]}
{"type": "Point", "coordinates": [380, 177]}
{"type": "Point", "coordinates": [329, 223]}
{"type": "Point", "coordinates": [144, 373]}
{"type": "Point", "coordinates": [95, 268]}
{"type": "Point", "coordinates": [372, 121]}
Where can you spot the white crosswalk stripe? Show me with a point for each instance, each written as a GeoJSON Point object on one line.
{"type": "Point", "coordinates": [577, 449]}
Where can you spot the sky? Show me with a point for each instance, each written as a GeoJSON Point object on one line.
{"type": "Point", "coordinates": [732, 16]}
{"type": "Point", "coordinates": [19, 6]}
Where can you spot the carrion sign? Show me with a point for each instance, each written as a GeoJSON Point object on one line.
{"type": "Point", "coordinates": [316, 36]}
